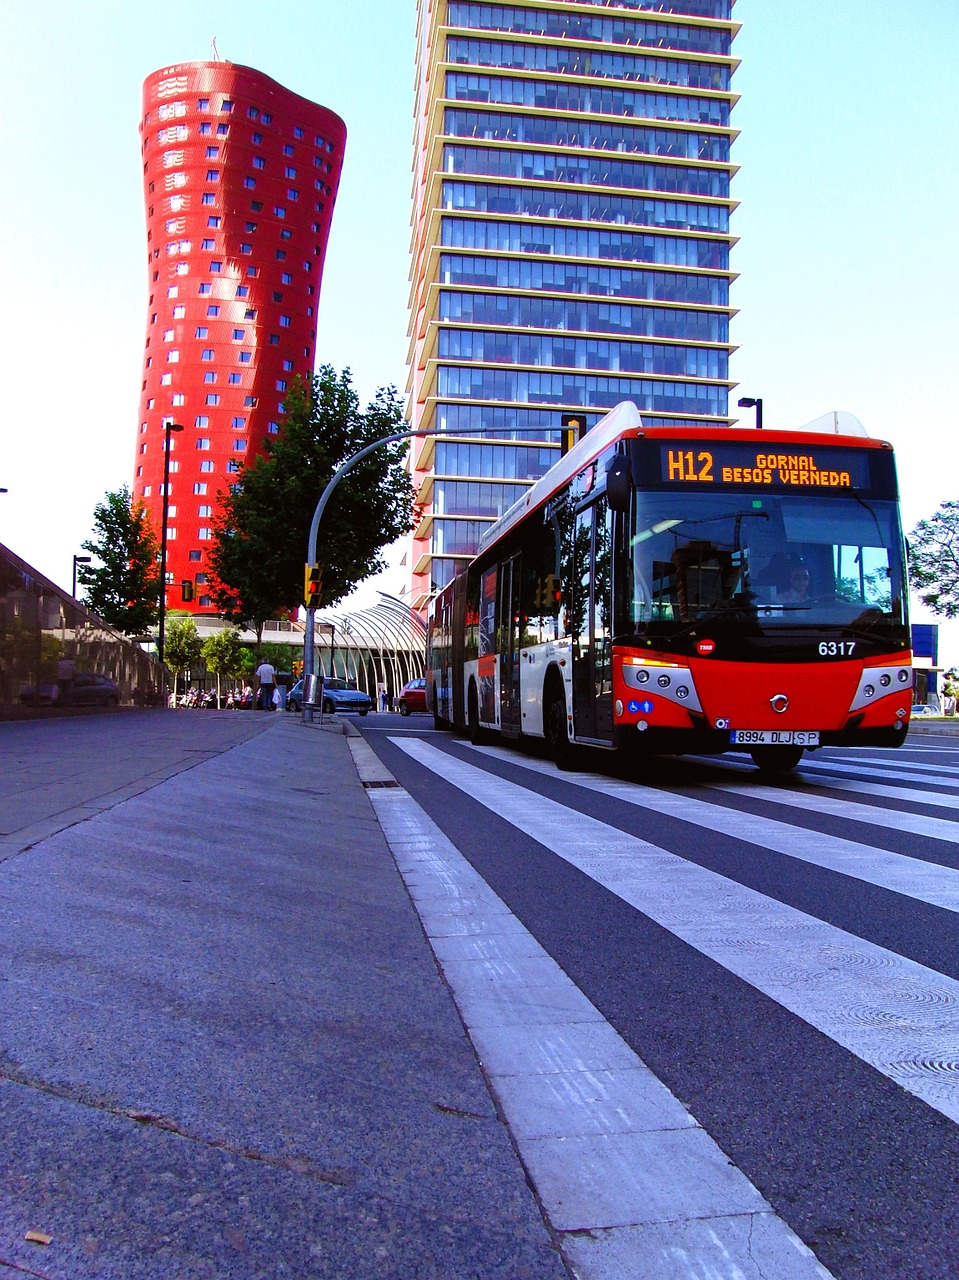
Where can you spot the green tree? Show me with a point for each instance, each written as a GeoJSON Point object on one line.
{"type": "Point", "coordinates": [223, 654]}
{"type": "Point", "coordinates": [934, 560]}
{"type": "Point", "coordinates": [124, 588]}
{"type": "Point", "coordinates": [182, 648]}
{"type": "Point", "coordinates": [260, 538]}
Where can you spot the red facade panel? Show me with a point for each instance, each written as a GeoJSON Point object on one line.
{"type": "Point", "coordinates": [239, 177]}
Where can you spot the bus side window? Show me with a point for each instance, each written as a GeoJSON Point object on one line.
{"type": "Point", "coordinates": [540, 585]}
{"type": "Point", "coordinates": [471, 622]}
{"type": "Point", "coordinates": [531, 626]}
{"type": "Point", "coordinates": [563, 523]}
{"type": "Point", "coordinates": [551, 610]}
{"type": "Point", "coordinates": [542, 607]}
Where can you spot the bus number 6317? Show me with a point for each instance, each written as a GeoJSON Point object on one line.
{"type": "Point", "coordinates": [836, 648]}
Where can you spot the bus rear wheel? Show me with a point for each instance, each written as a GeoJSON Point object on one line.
{"type": "Point", "coordinates": [772, 760]}
{"type": "Point", "coordinates": [477, 734]}
{"type": "Point", "coordinates": [557, 728]}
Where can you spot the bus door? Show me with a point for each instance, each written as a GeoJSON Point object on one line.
{"type": "Point", "coordinates": [592, 599]}
{"type": "Point", "coordinates": [509, 646]}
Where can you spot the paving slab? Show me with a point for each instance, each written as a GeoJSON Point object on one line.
{"type": "Point", "coordinates": [225, 1047]}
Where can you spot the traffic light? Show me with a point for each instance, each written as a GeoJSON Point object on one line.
{"type": "Point", "coordinates": [312, 585]}
{"type": "Point", "coordinates": [574, 425]}
{"type": "Point", "coordinates": [186, 590]}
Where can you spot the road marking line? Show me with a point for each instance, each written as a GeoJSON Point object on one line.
{"type": "Point", "coordinates": [826, 769]}
{"type": "Point", "coordinates": [614, 1156]}
{"type": "Point", "coordinates": [912, 877]}
{"type": "Point", "coordinates": [896, 819]}
{"type": "Point", "coordinates": [934, 800]}
{"type": "Point", "coordinates": [895, 1014]}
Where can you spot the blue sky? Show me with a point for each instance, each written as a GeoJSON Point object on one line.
{"type": "Point", "coordinates": [848, 183]}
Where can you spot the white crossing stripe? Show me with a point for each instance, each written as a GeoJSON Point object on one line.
{"type": "Point", "coordinates": [634, 1185]}
{"type": "Point", "coordinates": [916, 824]}
{"type": "Point", "coordinates": [830, 767]}
{"type": "Point", "coordinates": [891, 760]}
{"type": "Point", "coordinates": [899, 1016]}
{"type": "Point", "coordinates": [911, 877]}
{"type": "Point", "coordinates": [931, 799]}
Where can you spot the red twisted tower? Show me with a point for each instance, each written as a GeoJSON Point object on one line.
{"type": "Point", "coordinates": [239, 180]}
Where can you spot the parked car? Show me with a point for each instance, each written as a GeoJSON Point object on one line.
{"type": "Point", "coordinates": [412, 697]}
{"type": "Point", "coordinates": [294, 699]}
{"type": "Point", "coordinates": [923, 709]}
{"type": "Point", "coordinates": [86, 689]}
{"type": "Point", "coordinates": [337, 696]}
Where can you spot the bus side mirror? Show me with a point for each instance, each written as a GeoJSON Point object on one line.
{"type": "Point", "coordinates": [618, 483]}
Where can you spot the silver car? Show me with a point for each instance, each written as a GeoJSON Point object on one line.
{"type": "Point", "coordinates": [337, 696]}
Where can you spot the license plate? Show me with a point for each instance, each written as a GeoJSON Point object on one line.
{"type": "Point", "coordinates": [774, 737]}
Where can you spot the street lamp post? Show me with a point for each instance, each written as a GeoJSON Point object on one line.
{"type": "Point", "coordinates": [78, 560]}
{"type": "Point", "coordinates": [750, 402]}
{"type": "Point", "coordinates": [168, 427]}
{"type": "Point", "coordinates": [308, 638]}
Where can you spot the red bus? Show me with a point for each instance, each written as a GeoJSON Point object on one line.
{"type": "Point", "coordinates": [686, 589]}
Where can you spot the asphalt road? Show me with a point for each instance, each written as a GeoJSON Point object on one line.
{"type": "Point", "coordinates": [276, 1001]}
{"type": "Point", "coordinates": [783, 956]}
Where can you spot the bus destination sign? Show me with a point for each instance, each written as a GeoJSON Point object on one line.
{"type": "Point", "coordinates": [744, 465]}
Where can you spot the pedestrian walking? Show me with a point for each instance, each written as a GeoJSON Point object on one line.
{"type": "Point", "coordinates": [266, 674]}
{"type": "Point", "coordinates": [950, 692]}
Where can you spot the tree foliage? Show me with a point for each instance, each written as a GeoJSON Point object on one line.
{"type": "Point", "coordinates": [182, 647]}
{"type": "Point", "coordinates": [260, 538]}
{"type": "Point", "coordinates": [279, 656]}
{"type": "Point", "coordinates": [934, 560]}
{"type": "Point", "coordinates": [223, 654]}
{"type": "Point", "coordinates": [124, 588]}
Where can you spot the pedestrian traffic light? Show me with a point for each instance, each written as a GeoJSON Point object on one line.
{"type": "Point", "coordinates": [186, 590]}
{"type": "Point", "coordinates": [312, 585]}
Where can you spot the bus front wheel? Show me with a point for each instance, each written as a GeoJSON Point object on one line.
{"type": "Point", "coordinates": [772, 760]}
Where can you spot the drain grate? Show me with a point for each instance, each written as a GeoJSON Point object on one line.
{"type": "Point", "coordinates": [379, 783]}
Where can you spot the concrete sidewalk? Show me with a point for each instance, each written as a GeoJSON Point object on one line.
{"type": "Point", "coordinates": [225, 1046]}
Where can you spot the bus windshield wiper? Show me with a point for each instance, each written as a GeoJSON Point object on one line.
{"type": "Point", "coordinates": [728, 609]}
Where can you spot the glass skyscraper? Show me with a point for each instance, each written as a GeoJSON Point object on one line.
{"type": "Point", "coordinates": [570, 239]}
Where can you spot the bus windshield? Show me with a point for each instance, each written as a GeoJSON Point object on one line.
{"type": "Point", "coordinates": [781, 559]}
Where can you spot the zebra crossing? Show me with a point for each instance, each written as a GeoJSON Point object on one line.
{"type": "Point", "coordinates": [721, 874]}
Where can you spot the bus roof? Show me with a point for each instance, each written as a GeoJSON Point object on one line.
{"type": "Point", "coordinates": [625, 421]}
